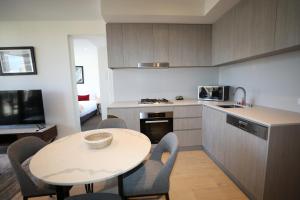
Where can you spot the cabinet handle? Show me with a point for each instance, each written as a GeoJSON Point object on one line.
{"type": "Point", "coordinates": [157, 121]}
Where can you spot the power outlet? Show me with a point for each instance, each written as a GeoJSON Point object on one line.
{"type": "Point", "coordinates": [298, 101]}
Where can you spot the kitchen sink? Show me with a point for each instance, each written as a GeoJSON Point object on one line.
{"type": "Point", "coordinates": [230, 106]}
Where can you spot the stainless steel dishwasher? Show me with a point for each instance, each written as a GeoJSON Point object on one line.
{"type": "Point", "coordinates": [250, 127]}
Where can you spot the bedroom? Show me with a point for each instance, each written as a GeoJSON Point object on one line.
{"type": "Point", "coordinates": [85, 55]}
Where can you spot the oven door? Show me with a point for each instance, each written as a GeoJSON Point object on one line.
{"type": "Point", "coordinates": [156, 128]}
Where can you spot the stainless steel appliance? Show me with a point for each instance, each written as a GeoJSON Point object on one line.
{"type": "Point", "coordinates": [154, 101]}
{"type": "Point", "coordinates": [250, 127]}
{"type": "Point", "coordinates": [156, 125]}
{"type": "Point", "coordinates": [213, 93]}
{"type": "Point", "coordinates": [154, 65]}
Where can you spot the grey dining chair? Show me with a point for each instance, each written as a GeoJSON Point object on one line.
{"type": "Point", "coordinates": [95, 196]}
{"type": "Point", "coordinates": [20, 151]}
{"type": "Point", "coordinates": [112, 123]}
{"type": "Point", "coordinates": [153, 176]}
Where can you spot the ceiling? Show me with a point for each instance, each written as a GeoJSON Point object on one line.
{"type": "Point", "coordinates": [165, 11]}
{"type": "Point", "coordinates": [135, 11]}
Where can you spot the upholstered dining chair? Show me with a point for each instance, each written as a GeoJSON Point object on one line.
{"type": "Point", "coordinates": [95, 196]}
{"type": "Point", "coordinates": [112, 123]}
{"type": "Point", "coordinates": [20, 151]}
{"type": "Point", "coordinates": [153, 176]}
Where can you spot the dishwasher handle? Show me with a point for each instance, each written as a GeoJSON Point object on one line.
{"type": "Point", "coordinates": [250, 127]}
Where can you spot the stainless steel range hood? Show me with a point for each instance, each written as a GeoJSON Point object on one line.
{"type": "Point", "coordinates": [154, 65]}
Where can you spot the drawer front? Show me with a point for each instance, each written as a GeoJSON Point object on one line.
{"type": "Point", "coordinates": [189, 137]}
{"type": "Point", "coordinates": [187, 123]}
{"type": "Point", "coordinates": [157, 109]}
{"type": "Point", "coordinates": [187, 111]}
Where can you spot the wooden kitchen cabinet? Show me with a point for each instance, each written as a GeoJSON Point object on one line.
{"type": "Point", "coordinates": [189, 45]}
{"type": "Point", "coordinates": [138, 44]}
{"type": "Point", "coordinates": [161, 42]}
{"type": "Point", "coordinates": [129, 115]}
{"type": "Point", "coordinates": [287, 24]}
{"type": "Point", "coordinates": [223, 38]}
{"type": "Point", "coordinates": [180, 45]}
{"type": "Point", "coordinates": [213, 123]}
{"type": "Point", "coordinates": [245, 158]}
{"type": "Point", "coordinates": [115, 45]}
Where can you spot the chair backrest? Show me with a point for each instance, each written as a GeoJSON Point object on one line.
{"type": "Point", "coordinates": [169, 143]}
{"type": "Point", "coordinates": [20, 151]}
{"type": "Point", "coordinates": [112, 123]}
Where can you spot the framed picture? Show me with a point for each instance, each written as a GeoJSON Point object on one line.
{"type": "Point", "coordinates": [79, 75]}
{"type": "Point", "coordinates": [17, 61]}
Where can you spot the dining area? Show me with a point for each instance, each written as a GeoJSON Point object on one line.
{"type": "Point", "coordinates": [86, 158]}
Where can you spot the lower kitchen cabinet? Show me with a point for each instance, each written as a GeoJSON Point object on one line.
{"type": "Point", "coordinates": [245, 158]}
{"type": "Point", "coordinates": [213, 123]}
{"type": "Point", "coordinates": [265, 169]}
{"type": "Point", "coordinates": [189, 137]}
{"type": "Point", "coordinates": [129, 115]}
{"type": "Point", "coordinates": [187, 120]}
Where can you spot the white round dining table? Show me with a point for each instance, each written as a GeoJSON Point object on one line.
{"type": "Point", "coordinates": [69, 161]}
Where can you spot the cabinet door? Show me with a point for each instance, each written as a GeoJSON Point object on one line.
{"type": "Point", "coordinates": [161, 42]}
{"type": "Point", "coordinates": [129, 115]}
{"type": "Point", "coordinates": [189, 45]}
{"type": "Point", "coordinates": [243, 29]}
{"type": "Point", "coordinates": [287, 24]}
{"type": "Point", "coordinates": [138, 44]}
{"type": "Point", "coordinates": [263, 26]}
{"type": "Point", "coordinates": [245, 158]}
{"type": "Point", "coordinates": [189, 137]}
{"type": "Point", "coordinates": [213, 132]}
{"type": "Point", "coordinates": [115, 45]}
{"type": "Point", "coordinates": [223, 38]}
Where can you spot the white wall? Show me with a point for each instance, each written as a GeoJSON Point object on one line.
{"type": "Point", "coordinates": [272, 81]}
{"type": "Point", "coordinates": [86, 55]}
{"type": "Point", "coordinates": [50, 39]}
{"type": "Point", "coordinates": [134, 84]}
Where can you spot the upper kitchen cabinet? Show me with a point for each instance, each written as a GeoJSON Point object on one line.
{"type": "Point", "coordinates": [189, 45]}
{"type": "Point", "coordinates": [161, 42]}
{"type": "Point", "coordinates": [287, 24]}
{"type": "Point", "coordinates": [263, 26]}
{"type": "Point", "coordinates": [223, 39]}
{"type": "Point", "coordinates": [138, 44]}
{"type": "Point", "coordinates": [115, 45]}
{"type": "Point", "coordinates": [180, 45]}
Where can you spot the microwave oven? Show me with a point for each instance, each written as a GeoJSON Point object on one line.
{"type": "Point", "coordinates": [213, 93]}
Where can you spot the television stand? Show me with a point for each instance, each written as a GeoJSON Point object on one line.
{"type": "Point", "coordinates": [9, 134]}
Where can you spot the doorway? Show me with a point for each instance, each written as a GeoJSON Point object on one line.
{"type": "Point", "coordinates": [87, 80]}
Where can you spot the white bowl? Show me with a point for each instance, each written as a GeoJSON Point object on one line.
{"type": "Point", "coordinates": [98, 140]}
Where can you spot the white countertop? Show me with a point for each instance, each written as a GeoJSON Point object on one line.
{"type": "Point", "coordinates": [69, 161]}
{"type": "Point", "coordinates": [262, 115]}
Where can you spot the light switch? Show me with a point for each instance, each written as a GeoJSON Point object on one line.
{"type": "Point", "coordinates": [298, 101]}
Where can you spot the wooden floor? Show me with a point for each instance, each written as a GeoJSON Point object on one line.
{"type": "Point", "coordinates": [195, 177]}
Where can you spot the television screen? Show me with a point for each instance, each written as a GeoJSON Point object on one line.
{"type": "Point", "coordinates": [21, 107]}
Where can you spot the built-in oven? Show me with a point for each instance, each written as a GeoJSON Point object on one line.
{"type": "Point", "coordinates": [156, 125]}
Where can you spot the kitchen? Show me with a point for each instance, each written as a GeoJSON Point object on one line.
{"type": "Point", "coordinates": [253, 107]}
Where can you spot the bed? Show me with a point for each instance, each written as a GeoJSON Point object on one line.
{"type": "Point", "coordinates": [87, 110]}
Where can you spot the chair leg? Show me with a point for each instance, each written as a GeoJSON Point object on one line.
{"type": "Point", "coordinates": [167, 196]}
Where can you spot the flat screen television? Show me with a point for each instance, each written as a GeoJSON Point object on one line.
{"type": "Point", "coordinates": [21, 107]}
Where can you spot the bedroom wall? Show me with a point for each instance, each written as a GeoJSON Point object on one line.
{"type": "Point", "coordinates": [86, 55]}
{"type": "Point", "coordinates": [50, 39]}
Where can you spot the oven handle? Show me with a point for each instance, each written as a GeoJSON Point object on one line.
{"type": "Point", "coordinates": [157, 121]}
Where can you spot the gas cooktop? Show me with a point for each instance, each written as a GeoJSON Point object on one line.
{"type": "Point", "coordinates": [155, 101]}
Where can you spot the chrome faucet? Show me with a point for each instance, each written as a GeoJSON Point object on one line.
{"type": "Point", "coordinates": [244, 97]}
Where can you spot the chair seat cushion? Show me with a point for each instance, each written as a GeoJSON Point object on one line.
{"type": "Point", "coordinates": [140, 180]}
{"type": "Point", "coordinates": [95, 196]}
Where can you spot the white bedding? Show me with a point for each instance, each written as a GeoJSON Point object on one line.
{"type": "Point", "coordinates": [86, 107]}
